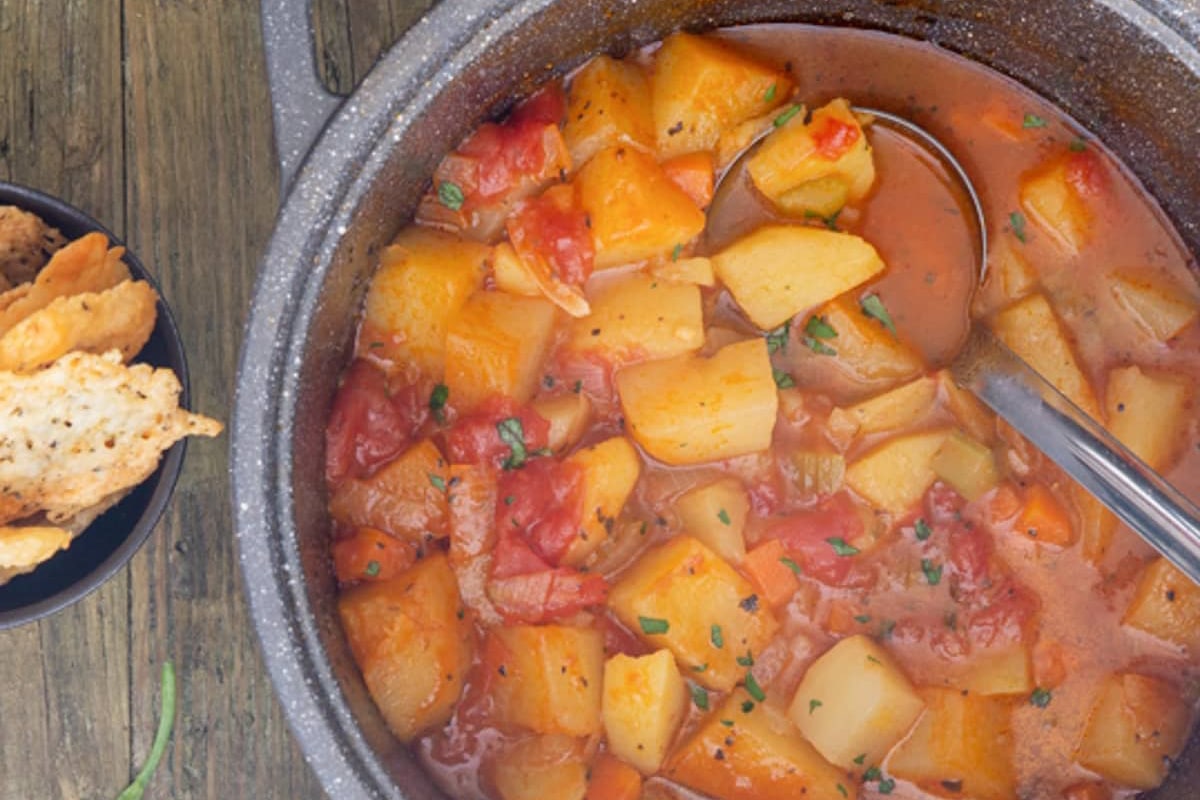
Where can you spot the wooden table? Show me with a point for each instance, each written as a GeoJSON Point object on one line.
{"type": "Point", "coordinates": [153, 116]}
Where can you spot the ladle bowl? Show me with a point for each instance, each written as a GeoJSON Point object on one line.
{"type": "Point", "coordinates": [1082, 448]}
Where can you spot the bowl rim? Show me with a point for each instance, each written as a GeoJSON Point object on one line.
{"type": "Point", "coordinates": [75, 222]}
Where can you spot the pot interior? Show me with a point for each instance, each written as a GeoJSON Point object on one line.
{"type": "Point", "coordinates": [1122, 74]}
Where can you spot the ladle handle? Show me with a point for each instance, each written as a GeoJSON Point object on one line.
{"type": "Point", "coordinates": [1143, 500]}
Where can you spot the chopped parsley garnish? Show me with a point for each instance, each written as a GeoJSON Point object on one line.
{"type": "Point", "coordinates": [723, 515]}
{"type": "Point", "coordinates": [747, 706]}
{"type": "Point", "coordinates": [777, 339]}
{"type": "Point", "coordinates": [700, 668]}
{"type": "Point", "coordinates": [842, 789]}
{"type": "Point", "coordinates": [1017, 220]}
{"type": "Point", "coordinates": [652, 625]}
{"type": "Point", "coordinates": [438, 482]}
{"type": "Point", "coordinates": [437, 402]}
{"type": "Point", "coordinates": [923, 530]}
{"type": "Point", "coordinates": [933, 571]}
{"type": "Point", "coordinates": [782, 379]}
{"type": "Point", "coordinates": [818, 347]}
{"type": "Point", "coordinates": [754, 689]}
{"type": "Point", "coordinates": [813, 705]}
{"type": "Point", "coordinates": [676, 252]}
{"type": "Point", "coordinates": [1040, 697]}
{"type": "Point", "coordinates": [787, 114]}
{"type": "Point", "coordinates": [769, 95]}
{"type": "Point", "coordinates": [829, 222]}
{"type": "Point", "coordinates": [578, 387]}
{"type": "Point", "coordinates": [858, 759]}
{"type": "Point", "coordinates": [818, 328]}
{"type": "Point", "coordinates": [1077, 145]}
{"type": "Point", "coordinates": [746, 660]}
{"type": "Point", "coordinates": [512, 433]}
{"type": "Point", "coordinates": [509, 500]}
{"type": "Point", "coordinates": [874, 660]}
{"type": "Point", "coordinates": [886, 786]}
{"type": "Point", "coordinates": [885, 630]}
{"type": "Point", "coordinates": [1033, 121]}
{"type": "Point", "coordinates": [840, 547]}
{"type": "Point", "coordinates": [792, 565]}
{"type": "Point", "coordinates": [873, 307]}
{"type": "Point", "coordinates": [872, 774]}
{"type": "Point", "coordinates": [718, 638]}
{"type": "Point", "coordinates": [375, 345]}
{"type": "Point", "coordinates": [862, 619]}
{"type": "Point", "coordinates": [372, 569]}
{"type": "Point", "coordinates": [451, 195]}
{"type": "Point", "coordinates": [699, 696]}
{"type": "Point", "coordinates": [728, 723]}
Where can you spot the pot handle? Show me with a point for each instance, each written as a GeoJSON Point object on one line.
{"type": "Point", "coordinates": [300, 104]}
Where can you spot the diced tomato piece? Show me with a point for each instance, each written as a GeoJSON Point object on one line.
{"type": "Point", "coordinates": [970, 558]}
{"type": "Point", "coordinates": [514, 556]}
{"type": "Point", "coordinates": [943, 504]}
{"type": "Point", "coordinates": [546, 106]}
{"type": "Point", "coordinates": [558, 232]}
{"type": "Point", "coordinates": [1086, 173]}
{"type": "Point", "coordinates": [370, 424]}
{"type": "Point", "coordinates": [834, 137]}
{"type": "Point", "coordinates": [618, 639]}
{"type": "Point", "coordinates": [1004, 618]}
{"type": "Point", "coordinates": [505, 154]}
{"type": "Point", "coordinates": [807, 537]}
{"type": "Point", "coordinates": [543, 504]}
{"type": "Point", "coordinates": [369, 554]}
{"type": "Point", "coordinates": [547, 595]}
{"type": "Point", "coordinates": [475, 439]}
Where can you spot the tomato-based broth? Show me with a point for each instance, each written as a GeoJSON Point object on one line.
{"type": "Point", "coordinates": [627, 504]}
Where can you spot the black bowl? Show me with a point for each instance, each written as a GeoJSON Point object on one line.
{"type": "Point", "coordinates": [100, 551]}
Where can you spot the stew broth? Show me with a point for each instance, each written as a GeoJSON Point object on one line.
{"type": "Point", "coordinates": [498, 526]}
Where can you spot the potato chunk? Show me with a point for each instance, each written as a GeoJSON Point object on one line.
{"type": "Point", "coordinates": [688, 410]}
{"type": "Point", "coordinates": [411, 645]}
{"type": "Point", "coordinates": [1137, 725]}
{"type": "Point", "coordinates": [780, 270]}
{"type": "Point", "coordinates": [400, 498]}
{"type": "Point", "coordinates": [551, 677]}
{"type": "Point", "coordinates": [639, 318]}
{"type": "Point", "coordinates": [568, 415]}
{"type": "Point", "coordinates": [702, 88]}
{"type": "Point", "coordinates": [1003, 670]}
{"type": "Point", "coordinates": [760, 756]}
{"type": "Point", "coordinates": [827, 157]}
{"type": "Point", "coordinates": [1161, 311]}
{"type": "Point", "coordinates": [608, 104]}
{"type": "Point", "coordinates": [1147, 413]}
{"type": "Point", "coordinates": [495, 345]}
{"type": "Point", "coordinates": [423, 279]}
{"type": "Point", "coordinates": [636, 211]}
{"type": "Point", "coordinates": [715, 513]}
{"type": "Point", "coordinates": [962, 740]}
{"type": "Point", "coordinates": [610, 471]}
{"type": "Point", "coordinates": [966, 465]}
{"type": "Point", "coordinates": [1053, 198]}
{"type": "Point", "coordinates": [684, 597]}
{"type": "Point", "coordinates": [644, 703]}
{"type": "Point", "coordinates": [895, 475]}
{"type": "Point", "coordinates": [893, 409]}
{"type": "Point", "coordinates": [1032, 330]}
{"type": "Point", "coordinates": [854, 700]}
{"type": "Point", "coordinates": [541, 767]}
{"type": "Point", "coordinates": [1166, 604]}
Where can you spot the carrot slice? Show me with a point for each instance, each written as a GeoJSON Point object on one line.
{"type": "Point", "coordinates": [769, 567]}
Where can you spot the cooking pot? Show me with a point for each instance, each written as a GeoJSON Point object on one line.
{"type": "Point", "coordinates": [1127, 71]}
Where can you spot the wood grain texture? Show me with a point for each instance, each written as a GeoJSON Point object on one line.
{"type": "Point", "coordinates": [154, 116]}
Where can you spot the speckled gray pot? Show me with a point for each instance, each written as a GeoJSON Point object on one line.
{"type": "Point", "coordinates": [1128, 71]}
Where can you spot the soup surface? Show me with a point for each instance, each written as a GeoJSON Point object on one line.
{"type": "Point", "coordinates": [632, 499]}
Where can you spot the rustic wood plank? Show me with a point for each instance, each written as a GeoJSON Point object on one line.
{"type": "Point", "coordinates": [331, 29]}
{"type": "Point", "coordinates": [201, 203]}
{"type": "Point", "coordinates": [352, 35]}
{"type": "Point", "coordinates": [66, 692]}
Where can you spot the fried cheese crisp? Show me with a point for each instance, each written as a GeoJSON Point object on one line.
{"type": "Point", "coordinates": [87, 264]}
{"type": "Point", "coordinates": [25, 242]}
{"type": "Point", "coordinates": [24, 547]}
{"type": "Point", "coordinates": [120, 318]}
{"type": "Point", "coordinates": [83, 428]}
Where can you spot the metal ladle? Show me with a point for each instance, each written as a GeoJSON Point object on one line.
{"type": "Point", "coordinates": [1139, 496]}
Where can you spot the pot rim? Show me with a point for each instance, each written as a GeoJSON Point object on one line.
{"type": "Point", "coordinates": [333, 180]}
